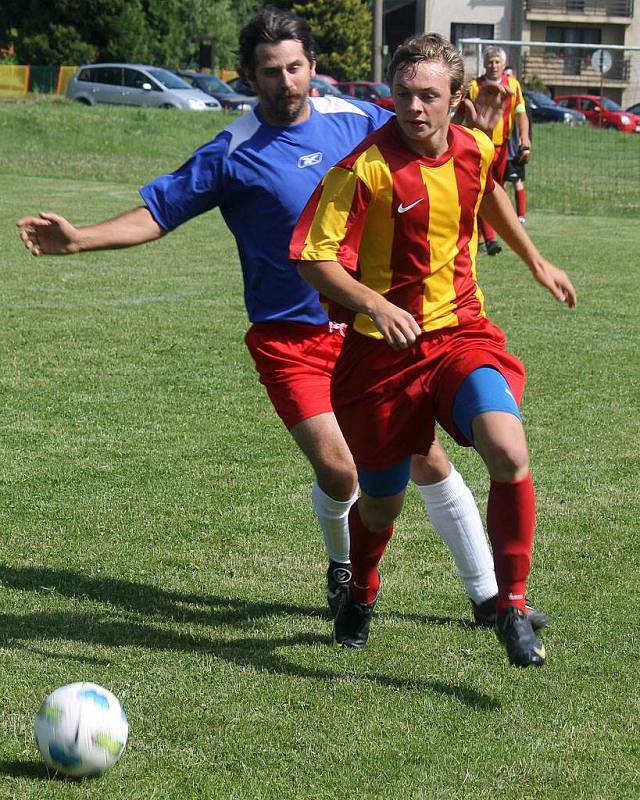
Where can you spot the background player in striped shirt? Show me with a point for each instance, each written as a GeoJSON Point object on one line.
{"type": "Point", "coordinates": [260, 171]}
{"type": "Point", "coordinates": [513, 116]}
{"type": "Point", "coordinates": [391, 234]}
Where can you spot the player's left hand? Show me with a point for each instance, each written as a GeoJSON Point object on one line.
{"type": "Point", "coordinates": [524, 153]}
{"type": "Point", "coordinates": [556, 281]}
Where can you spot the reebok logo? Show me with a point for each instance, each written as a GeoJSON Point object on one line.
{"type": "Point", "coordinates": [402, 208]}
{"type": "Point", "coordinates": [310, 160]}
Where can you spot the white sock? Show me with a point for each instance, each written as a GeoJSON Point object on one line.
{"type": "Point", "coordinates": [454, 514]}
{"type": "Point", "coordinates": [333, 518]}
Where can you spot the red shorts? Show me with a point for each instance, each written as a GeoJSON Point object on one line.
{"type": "Point", "coordinates": [295, 363]}
{"type": "Point", "coordinates": [387, 401]}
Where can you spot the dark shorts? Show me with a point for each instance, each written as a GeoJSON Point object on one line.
{"type": "Point", "coordinates": [387, 402]}
{"type": "Point", "coordinates": [515, 171]}
{"type": "Point", "coordinates": [295, 363]}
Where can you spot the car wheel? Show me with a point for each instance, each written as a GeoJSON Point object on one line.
{"type": "Point", "coordinates": [611, 127]}
{"type": "Point", "coordinates": [82, 100]}
{"type": "Point", "coordinates": [166, 105]}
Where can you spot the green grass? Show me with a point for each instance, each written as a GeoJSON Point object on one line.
{"type": "Point", "coordinates": [158, 537]}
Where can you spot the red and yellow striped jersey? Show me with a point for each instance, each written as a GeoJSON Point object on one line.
{"type": "Point", "coordinates": [404, 224]}
{"type": "Point", "coordinates": [502, 131]}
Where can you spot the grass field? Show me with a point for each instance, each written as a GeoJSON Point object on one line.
{"type": "Point", "coordinates": [157, 536]}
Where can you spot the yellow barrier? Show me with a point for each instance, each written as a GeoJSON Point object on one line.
{"type": "Point", "coordinates": [228, 74]}
{"type": "Point", "coordinates": [64, 75]}
{"type": "Point", "coordinates": [14, 80]}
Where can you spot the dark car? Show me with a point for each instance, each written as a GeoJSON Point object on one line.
{"type": "Point", "coordinates": [544, 109]}
{"type": "Point", "coordinates": [634, 109]}
{"type": "Point", "coordinates": [378, 93]}
{"type": "Point", "coordinates": [216, 87]}
{"type": "Point", "coordinates": [601, 112]}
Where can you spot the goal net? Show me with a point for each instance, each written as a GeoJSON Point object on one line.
{"type": "Point", "coordinates": [589, 168]}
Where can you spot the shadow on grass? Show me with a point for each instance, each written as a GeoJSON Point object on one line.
{"type": "Point", "coordinates": [36, 770]}
{"type": "Point", "coordinates": [258, 650]}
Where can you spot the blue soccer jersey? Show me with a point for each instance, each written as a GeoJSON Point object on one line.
{"type": "Point", "coordinates": [261, 177]}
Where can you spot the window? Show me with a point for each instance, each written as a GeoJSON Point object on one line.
{"type": "Point", "coordinates": [135, 79]}
{"type": "Point", "coordinates": [467, 30]}
{"type": "Point", "coordinates": [574, 58]}
{"type": "Point", "coordinates": [110, 75]}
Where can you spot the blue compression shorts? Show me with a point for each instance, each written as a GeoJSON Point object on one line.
{"type": "Point", "coordinates": [484, 389]}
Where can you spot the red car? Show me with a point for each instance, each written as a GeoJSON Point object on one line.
{"type": "Point", "coordinates": [601, 112]}
{"type": "Point", "coordinates": [378, 93]}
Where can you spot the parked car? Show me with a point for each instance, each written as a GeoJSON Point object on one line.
{"type": "Point", "coordinates": [319, 87]}
{"type": "Point", "coordinates": [634, 109]}
{"type": "Point", "coordinates": [378, 93]}
{"type": "Point", "coordinates": [601, 112]}
{"type": "Point", "coordinates": [136, 85]}
{"type": "Point", "coordinates": [544, 109]}
{"type": "Point", "coordinates": [216, 87]}
{"type": "Point", "coordinates": [327, 78]}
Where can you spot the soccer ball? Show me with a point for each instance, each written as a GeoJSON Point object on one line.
{"type": "Point", "coordinates": [81, 730]}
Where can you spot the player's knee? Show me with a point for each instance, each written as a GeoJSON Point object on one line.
{"type": "Point", "coordinates": [432, 468]}
{"type": "Point", "coordinates": [378, 513]}
{"type": "Point", "coordinates": [337, 479]}
{"type": "Point", "coordinates": [507, 461]}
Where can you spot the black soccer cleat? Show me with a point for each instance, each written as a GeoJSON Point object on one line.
{"type": "Point", "coordinates": [338, 577]}
{"type": "Point", "coordinates": [514, 630]}
{"type": "Point", "coordinates": [485, 614]}
{"type": "Point", "coordinates": [493, 248]}
{"type": "Point", "coordinates": [352, 622]}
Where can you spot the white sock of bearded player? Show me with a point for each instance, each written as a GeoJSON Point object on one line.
{"type": "Point", "coordinates": [454, 514]}
{"type": "Point", "coordinates": [333, 518]}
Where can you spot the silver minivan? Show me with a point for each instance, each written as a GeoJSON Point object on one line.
{"type": "Point", "coordinates": [136, 85]}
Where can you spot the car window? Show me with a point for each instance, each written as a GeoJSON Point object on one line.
{"type": "Point", "coordinates": [168, 79]}
{"type": "Point", "coordinates": [610, 105]}
{"type": "Point", "coordinates": [382, 89]}
{"type": "Point", "coordinates": [110, 75]}
{"type": "Point", "coordinates": [135, 79]}
{"type": "Point", "coordinates": [363, 92]}
{"type": "Point", "coordinates": [211, 83]}
{"type": "Point", "coordinates": [567, 102]}
{"type": "Point", "coordinates": [587, 105]}
{"type": "Point", "coordinates": [86, 75]}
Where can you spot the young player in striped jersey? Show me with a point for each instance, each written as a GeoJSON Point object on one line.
{"type": "Point", "coordinates": [260, 171]}
{"type": "Point", "coordinates": [513, 116]}
{"type": "Point", "coordinates": [391, 233]}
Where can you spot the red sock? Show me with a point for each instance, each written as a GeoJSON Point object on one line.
{"type": "Point", "coordinates": [521, 202]}
{"type": "Point", "coordinates": [365, 551]}
{"type": "Point", "coordinates": [511, 513]}
{"type": "Point", "coordinates": [486, 231]}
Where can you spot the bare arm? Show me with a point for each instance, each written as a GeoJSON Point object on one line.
{"type": "Point", "coordinates": [53, 235]}
{"type": "Point", "coordinates": [496, 208]}
{"type": "Point", "coordinates": [398, 327]}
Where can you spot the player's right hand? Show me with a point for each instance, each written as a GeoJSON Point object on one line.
{"type": "Point", "coordinates": [48, 235]}
{"type": "Point", "coordinates": [487, 109]}
{"type": "Point", "coordinates": [399, 328]}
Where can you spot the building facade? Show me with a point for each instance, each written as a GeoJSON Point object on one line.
{"type": "Point", "coordinates": [561, 67]}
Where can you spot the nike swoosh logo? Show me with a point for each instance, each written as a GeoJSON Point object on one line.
{"type": "Point", "coordinates": [402, 209]}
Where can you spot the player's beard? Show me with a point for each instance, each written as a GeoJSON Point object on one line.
{"type": "Point", "coordinates": [287, 107]}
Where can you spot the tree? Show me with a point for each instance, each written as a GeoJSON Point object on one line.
{"type": "Point", "coordinates": [343, 32]}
